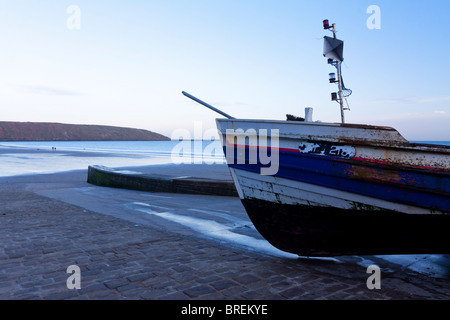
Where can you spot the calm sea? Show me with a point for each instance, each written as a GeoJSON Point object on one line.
{"type": "Point", "coordinates": [33, 157]}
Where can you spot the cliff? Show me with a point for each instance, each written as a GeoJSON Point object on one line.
{"type": "Point", "coordinates": [41, 131]}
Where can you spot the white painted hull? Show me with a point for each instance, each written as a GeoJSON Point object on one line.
{"type": "Point", "coordinates": [252, 185]}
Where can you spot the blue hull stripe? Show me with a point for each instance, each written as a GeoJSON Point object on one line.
{"type": "Point", "coordinates": [422, 189]}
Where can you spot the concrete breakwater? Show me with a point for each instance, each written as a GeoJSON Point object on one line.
{"type": "Point", "coordinates": [108, 177]}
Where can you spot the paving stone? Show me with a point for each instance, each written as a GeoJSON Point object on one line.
{"type": "Point", "coordinates": [292, 292]}
{"type": "Point", "coordinates": [151, 294]}
{"type": "Point", "coordinates": [113, 284]}
{"type": "Point", "coordinates": [246, 279]}
{"type": "Point", "coordinates": [120, 261]}
{"type": "Point", "coordinates": [128, 287]}
{"type": "Point", "coordinates": [198, 291]}
{"type": "Point", "coordinates": [137, 277]}
{"type": "Point", "coordinates": [223, 284]}
{"type": "Point", "coordinates": [176, 296]}
{"type": "Point", "coordinates": [67, 294]}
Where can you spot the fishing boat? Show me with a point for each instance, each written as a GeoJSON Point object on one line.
{"type": "Point", "coordinates": [332, 189]}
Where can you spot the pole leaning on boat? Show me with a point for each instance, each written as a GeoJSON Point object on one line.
{"type": "Point", "coordinates": [207, 105]}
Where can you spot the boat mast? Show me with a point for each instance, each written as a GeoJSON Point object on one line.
{"type": "Point", "coordinates": [339, 77]}
{"type": "Point", "coordinates": [336, 62]}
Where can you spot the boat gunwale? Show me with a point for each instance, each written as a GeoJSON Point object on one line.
{"type": "Point", "coordinates": [405, 144]}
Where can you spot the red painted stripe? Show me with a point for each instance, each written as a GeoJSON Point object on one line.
{"type": "Point", "coordinates": [374, 161]}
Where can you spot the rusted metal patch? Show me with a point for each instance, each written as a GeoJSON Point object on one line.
{"type": "Point", "coordinates": [372, 173]}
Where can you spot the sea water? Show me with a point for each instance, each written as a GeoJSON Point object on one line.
{"type": "Point", "coordinates": [35, 157]}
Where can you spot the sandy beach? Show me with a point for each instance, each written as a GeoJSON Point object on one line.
{"type": "Point", "coordinates": [149, 245]}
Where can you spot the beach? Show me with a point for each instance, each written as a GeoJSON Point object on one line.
{"type": "Point", "coordinates": [131, 244]}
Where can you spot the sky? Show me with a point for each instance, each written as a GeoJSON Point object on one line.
{"type": "Point", "coordinates": [125, 63]}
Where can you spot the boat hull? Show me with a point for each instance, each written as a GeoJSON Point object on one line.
{"type": "Point", "coordinates": [320, 231]}
{"type": "Point", "coordinates": [342, 190]}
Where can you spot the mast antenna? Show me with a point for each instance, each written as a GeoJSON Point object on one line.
{"type": "Point", "coordinates": [333, 49]}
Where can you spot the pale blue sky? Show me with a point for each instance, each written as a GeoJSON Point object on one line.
{"type": "Point", "coordinates": [130, 60]}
